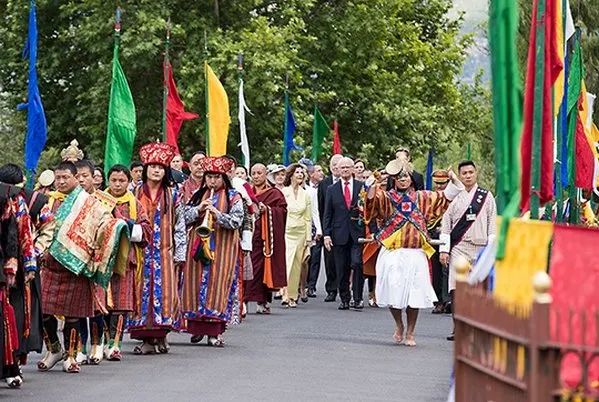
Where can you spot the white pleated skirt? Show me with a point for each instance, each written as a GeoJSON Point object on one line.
{"type": "Point", "coordinates": [403, 279]}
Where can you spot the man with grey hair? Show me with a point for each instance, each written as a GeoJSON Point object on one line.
{"type": "Point", "coordinates": [342, 229]}
{"type": "Point", "coordinates": [329, 264]}
{"type": "Point", "coordinates": [315, 177]}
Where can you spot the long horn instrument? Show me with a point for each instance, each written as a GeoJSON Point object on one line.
{"type": "Point", "coordinates": [204, 229]}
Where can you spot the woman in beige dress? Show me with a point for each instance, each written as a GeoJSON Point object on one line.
{"type": "Point", "coordinates": [298, 229]}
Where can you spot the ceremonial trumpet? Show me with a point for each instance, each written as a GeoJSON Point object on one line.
{"type": "Point", "coordinates": [204, 229]}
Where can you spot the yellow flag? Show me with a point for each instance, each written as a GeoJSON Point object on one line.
{"type": "Point", "coordinates": [513, 275]}
{"type": "Point", "coordinates": [218, 117]}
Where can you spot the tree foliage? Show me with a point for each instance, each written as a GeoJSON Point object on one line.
{"type": "Point", "coordinates": [385, 69]}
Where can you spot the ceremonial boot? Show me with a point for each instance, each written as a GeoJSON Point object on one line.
{"type": "Point", "coordinates": [97, 352]}
{"type": "Point", "coordinates": [53, 355]}
{"type": "Point", "coordinates": [71, 338]}
{"type": "Point", "coordinates": [112, 349]}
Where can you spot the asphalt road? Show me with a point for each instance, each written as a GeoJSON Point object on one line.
{"type": "Point", "coordinates": [312, 353]}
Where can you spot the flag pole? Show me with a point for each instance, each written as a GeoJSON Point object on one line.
{"type": "Point", "coordinates": [206, 92]}
{"type": "Point", "coordinates": [166, 67]}
{"type": "Point", "coordinates": [286, 123]}
{"type": "Point", "coordinates": [240, 82]}
{"type": "Point", "coordinates": [562, 126]}
{"type": "Point", "coordinates": [538, 111]}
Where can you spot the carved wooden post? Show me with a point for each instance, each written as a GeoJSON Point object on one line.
{"type": "Point", "coordinates": [541, 366]}
{"type": "Point", "coordinates": [462, 267]}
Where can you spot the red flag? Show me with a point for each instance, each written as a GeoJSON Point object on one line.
{"type": "Point", "coordinates": [336, 139]}
{"type": "Point", "coordinates": [552, 65]}
{"type": "Point", "coordinates": [175, 111]}
{"type": "Point", "coordinates": [585, 160]}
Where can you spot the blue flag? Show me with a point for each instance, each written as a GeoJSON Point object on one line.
{"type": "Point", "coordinates": [288, 144]}
{"type": "Point", "coordinates": [429, 171]}
{"type": "Point", "coordinates": [563, 127]}
{"type": "Point", "coordinates": [36, 120]}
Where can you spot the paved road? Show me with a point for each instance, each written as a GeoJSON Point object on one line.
{"type": "Point", "coordinates": [312, 353]}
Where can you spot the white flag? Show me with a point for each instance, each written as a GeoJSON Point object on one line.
{"type": "Point", "coordinates": [570, 29]}
{"type": "Point", "coordinates": [245, 145]}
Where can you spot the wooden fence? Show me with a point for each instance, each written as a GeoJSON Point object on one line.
{"type": "Point", "coordinates": [502, 357]}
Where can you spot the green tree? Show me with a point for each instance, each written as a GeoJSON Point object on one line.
{"type": "Point", "coordinates": [386, 69]}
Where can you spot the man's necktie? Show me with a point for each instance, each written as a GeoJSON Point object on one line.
{"type": "Point", "coordinates": [347, 194]}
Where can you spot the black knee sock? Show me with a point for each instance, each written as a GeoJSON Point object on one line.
{"type": "Point", "coordinates": [97, 329]}
{"type": "Point", "coordinates": [71, 336]}
{"type": "Point", "coordinates": [117, 322]}
{"type": "Point", "coordinates": [51, 328]}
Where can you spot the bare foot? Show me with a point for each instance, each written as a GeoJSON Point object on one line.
{"type": "Point", "coordinates": [398, 336]}
{"type": "Point", "coordinates": [410, 340]}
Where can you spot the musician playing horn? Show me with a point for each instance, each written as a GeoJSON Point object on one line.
{"type": "Point", "coordinates": [402, 276]}
{"type": "Point", "coordinates": [212, 268]}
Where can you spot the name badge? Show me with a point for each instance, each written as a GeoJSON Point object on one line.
{"type": "Point", "coordinates": [470, 217]}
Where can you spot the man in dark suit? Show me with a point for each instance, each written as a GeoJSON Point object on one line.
{"type": "Point", "coordinates": [417, 178]}
{"type": "Point", "coordinates": [342, 229]}
{"type": "Point", "coordinates": [329, 263]}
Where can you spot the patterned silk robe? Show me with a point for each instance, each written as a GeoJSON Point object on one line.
{"type": "Point", "coordinates": [156, 284]}
{"type": "Point", "coordinates": [405, 217]}
{"type": "Point", "coordinates": [209, 285]}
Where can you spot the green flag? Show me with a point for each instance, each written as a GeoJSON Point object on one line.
{"type": "Point", "coordinates": [321, 130]}
{"type": "Point", "coordinates": [121, 114]}
{"type": "Point", "coordinates": [507, 108]}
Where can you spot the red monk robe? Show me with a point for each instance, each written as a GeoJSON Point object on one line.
{"type": "Point", "coordinates": [188, 188]}
{"type": "Point", "coordinates": [257, 289]}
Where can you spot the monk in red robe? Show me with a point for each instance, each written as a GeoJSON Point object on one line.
{"type": "Point", "coordinates": [193, 182]}
{"type": "Point", "coordinates": [268, 255]}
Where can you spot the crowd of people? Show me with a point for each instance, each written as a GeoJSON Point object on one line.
{"type": "Point", "coordinates": [166, 245]}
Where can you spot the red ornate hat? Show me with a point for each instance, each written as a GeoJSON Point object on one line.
{"type": "Point", "coordinates": [159, 153]}
{"type": "Point", "coordinates": [216, 164]}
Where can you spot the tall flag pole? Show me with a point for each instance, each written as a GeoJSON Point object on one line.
{"type": "Point", "coordinates": [121, 111]}
{"type": "Point", "coordinates": [245, 145]}
{"type": "Point", "coordinates": [206, 92]}
{"type": "Point", "coordinates": [568, 31]}
{"type": "Point", "coordinates": [336, 139]}
{"type": "Point", "coordinates": [574, 89]}
{"type": "Point", "coordinates": [174, 113]}
{"type": "Point", "coordinates": [36, 119]}
{"type": "Point", "coordinates": [320, 131]}
{"type": "Point", "coordinates": [288, 127]}
{"type": "Point", "coordinates": [166, 73]}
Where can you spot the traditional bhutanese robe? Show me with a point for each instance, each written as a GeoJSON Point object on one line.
{"type": "Point", "coordinates": [405, 216]}
{"type": "Point", "coordinates": [209, 284]}
{"type": "Point", "coordinates": [26, 298]}
{"type": "Point", "coordinates": [188, 188]}
{"type": "Point", "coordinates": [402, 275]}
{"type": "Point", "coordinates": [156, 285]}
{"type": "Point", "coordinates": [87, 243]}
{"type": "Point", "coordinates": [120, 295]}
{"type": "Point", "coordinates": [268, 243]}
{"type": "Point", "coordinates": [478, 234]}
{"type": "Point", "coordinates": [9, 252]}
{"type": "Point", "coordinates": [88, 240]}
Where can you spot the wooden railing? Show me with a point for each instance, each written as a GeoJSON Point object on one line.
{"type": "Point", "coordinates": [500, 356]}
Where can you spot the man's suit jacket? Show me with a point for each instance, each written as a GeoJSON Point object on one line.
{"type": "Point", "coordinates": [321, 194]}
{"type": "Point", "coordinates": [340, 222]}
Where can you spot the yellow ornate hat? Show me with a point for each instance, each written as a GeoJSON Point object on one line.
{"type": "Point", "coordinates": [72, 152]}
